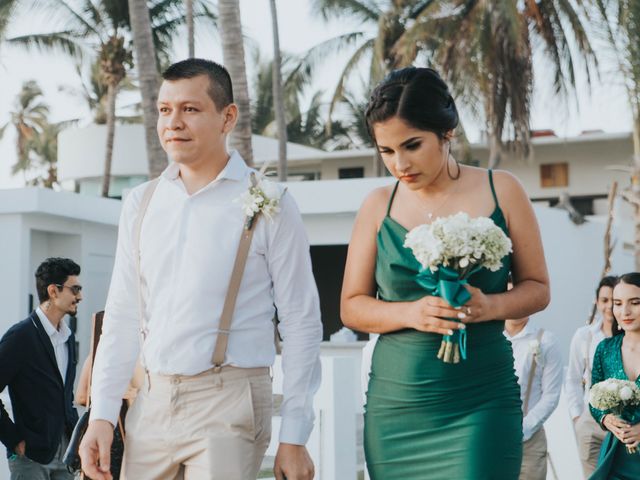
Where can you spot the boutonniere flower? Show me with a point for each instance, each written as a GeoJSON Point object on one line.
{"type": "Point", "coordinates": [263, 196]}
{"type": "Point", "coordinates": [536, 351]}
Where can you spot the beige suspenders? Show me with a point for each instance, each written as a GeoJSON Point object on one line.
{"type": "Point", "coordinates": [532, 373]}
{"type": "Point", "coordinates": [226, 317]}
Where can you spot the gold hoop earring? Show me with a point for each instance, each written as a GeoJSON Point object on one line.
{"type": "Point", "coordinates": [457, 164]}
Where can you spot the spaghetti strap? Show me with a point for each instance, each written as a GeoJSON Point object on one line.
{"type": "Point", "coordinates": [393, 194]}
{"type": "Point", "coordinates": [493, 190]}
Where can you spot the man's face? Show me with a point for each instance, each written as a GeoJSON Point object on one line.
{"type": "Point", "coordinates": [67, 296]}
{"type": "Point", "coordinates": [190, 127]}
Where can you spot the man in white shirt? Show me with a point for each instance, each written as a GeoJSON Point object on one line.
{"type": "Point", "coordinates": [191, 419]}
{"type": "Point", "coordinates": [538, 366]}
{"type": "Point", "coordinates": [577, 383]}
{"type": "Point", "coordinates": [38, 364]}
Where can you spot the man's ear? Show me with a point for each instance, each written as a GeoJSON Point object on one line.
{"type": "Point", "coordinates": [230, 117]}
{"type": "Point", "coordinates": [52, 290]}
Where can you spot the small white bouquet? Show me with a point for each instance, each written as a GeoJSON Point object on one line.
{"type": "Point", "coordinates": [263, 196]}
{"type": "Point", "coordinates": [616, 396]}
{"type": "Point", "coordinates": [450, 250]}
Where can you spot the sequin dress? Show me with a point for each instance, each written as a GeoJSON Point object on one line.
{"type": "Point", "coordinates": [615, 463]}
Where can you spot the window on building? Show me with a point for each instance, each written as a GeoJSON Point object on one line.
{"type": "Point", "coordinates": [354, 172]}
{"type": "Point", "coordinates": [554, 175]}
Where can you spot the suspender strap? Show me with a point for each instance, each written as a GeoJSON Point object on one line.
{"type": "Point", "coordinates": [232, 294]}
{"type": "Point", "coordinates": [137, 228]}
{"type": "Point", "coordinates": [224, 327]}
{"type": "Point", "coordinates": [532, 373]}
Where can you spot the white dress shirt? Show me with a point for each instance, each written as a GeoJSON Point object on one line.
{"type": "Point", "coordinates": [578, 380]}
{"type": "Point", "coordinates": [547, 379]}
{"type": "Point", "coordinates": [188, 246]}
{"type": "Point", "coordinates": [58, 339]}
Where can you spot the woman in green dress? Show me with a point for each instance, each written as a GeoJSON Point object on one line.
{"type": "Point", "coordinates": [426, 419]}
{"type": "Point", "coordinates": [619, 357]}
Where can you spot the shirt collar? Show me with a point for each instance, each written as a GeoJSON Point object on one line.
{"type": "Point", "coordinates": [64, 332]}
{"type": "Point", "coordinates": [527, 330]}
{"type": "Point", "coordinates": [596, 325]}
{"type": "Point", "coordinates": [235, 169]}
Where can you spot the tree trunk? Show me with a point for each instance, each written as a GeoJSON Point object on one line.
{"type": "Point", "coordinates": [635, 189]}
{"type": "Point", "coordinates": [233, 56]}
{"type": "Point", "coordinates": [145, 56]}
{"type": "Point", "coordinates": [111, 130]}
{"type": "Point", "coordinates": [190, 29]}
{"type": "Point", "coordinates": [495, 150]}
{"type": "Point", "coordinates": [278, 99]}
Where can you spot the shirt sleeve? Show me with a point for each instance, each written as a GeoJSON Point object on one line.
{"type": "Point", "coordinates": [119, 343]}
{"type": "Point", "coordinates": [597, 375]}
{"type": "Point", "coordinates": [574, 381]}
{"type": "Point", "coordinates": [551, 384]}
{"type": "Point", "coordinates": [298, 309]}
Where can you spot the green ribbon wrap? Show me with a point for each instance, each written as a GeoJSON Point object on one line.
{"type": "Point", "coordinates": [447, 283]}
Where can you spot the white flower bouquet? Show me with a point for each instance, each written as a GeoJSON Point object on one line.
{"type": "Point", "coordinates": [263, 196]}
{"type": "Point", "coordinates": [615, 396]}
{"type": "Point", "coordinates": [450, 250]}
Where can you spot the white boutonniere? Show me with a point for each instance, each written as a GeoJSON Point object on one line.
{"type": "Point", "coordinates": [263, 196]}
{"type": "Point", "coordinates": [536, 351]}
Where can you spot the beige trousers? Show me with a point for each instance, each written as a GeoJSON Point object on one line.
{"type": "Point", "coordinates": [589, 436]}
{"type": "Point", "coordinates": [211, 426]}
{"type": "Point", "coordinates": [534, 457]}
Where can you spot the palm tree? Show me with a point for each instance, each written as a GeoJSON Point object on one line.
{"type": "Point", "coordinates": [103, 28]}
{"type": "Point", "coordinates": [28, 119]}
{"type": "Point", "coordinates": [620, 22]}
{"type": "Point", "coordinates": [384, 24]}
{"type": "Point", "coordinates": [191, 43]}
{"type": "Point", "coordinates": [93, 92]}
{"type": "Point", "coordinates": [233, 56]}
{"type": "Point", "coordinates": [278, 100]}
{"type": "Point", "coordinates": [43, 150]}
{"type": "Point", "coordinates": [147, 66]}
{"type": "Point", "coordinates": [487, 49]}
{"type": "Point", "coordinates": [306, 126]}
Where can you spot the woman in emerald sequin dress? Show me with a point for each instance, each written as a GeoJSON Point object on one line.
{"type": "Point", "coordinates": [619, 357]}
{"type": "Point", "coordinates": [426, 419]}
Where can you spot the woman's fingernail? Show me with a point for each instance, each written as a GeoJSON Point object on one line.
{"type": "Point", "coordinates": [462, 315]}
{"type": "Point", "coordinates": [450, 332]}
{"type": "Point", "coordinates": [462, 326]}
{"type": "Point", "coordinates": [457, 308]}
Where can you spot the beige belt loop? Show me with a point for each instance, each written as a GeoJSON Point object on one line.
{"type": "Point", "coordinates": [137, 229]}
{"type": "Point", "coordinates": [532, 373]}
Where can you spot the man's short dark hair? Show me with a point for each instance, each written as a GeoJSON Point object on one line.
{"type": "Point", "coordinates": [220, 87]}
{"type": "Point", "coordinates": [54, 271]}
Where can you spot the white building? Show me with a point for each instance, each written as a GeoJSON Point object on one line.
{"type": "Point", "coordinates": [581, 166]}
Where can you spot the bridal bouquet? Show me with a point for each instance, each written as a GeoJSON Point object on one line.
{"type": "Point", "coordinates": [450, 250]}
{"type": "Point", "coordinates": [617, 396]}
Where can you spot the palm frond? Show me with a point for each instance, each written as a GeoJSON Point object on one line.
{"type": "Point", "coordinates": [67, 42]}
{"type": "Point", "coordinates": [366, 11]}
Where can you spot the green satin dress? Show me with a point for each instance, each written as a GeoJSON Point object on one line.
{"type": "Point", "coordinates": [429, 420]}
{"type": "Point", "coordinates": [615, 463]}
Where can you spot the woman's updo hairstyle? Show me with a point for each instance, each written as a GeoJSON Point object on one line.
{"type": "Point", "coordinates": [416, 95]}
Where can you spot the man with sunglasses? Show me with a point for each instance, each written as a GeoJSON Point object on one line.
{"type": "Point", "coordinates": [38, 364]}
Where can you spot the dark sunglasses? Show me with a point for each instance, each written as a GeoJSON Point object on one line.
{"type": "Point", "coordinates": [75, 289]}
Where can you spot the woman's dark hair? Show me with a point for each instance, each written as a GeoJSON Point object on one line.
{"type": "Point", "coordinates": [632, 278]}
{"type": "Point", "coordinates": [418, 96]}
{"type": "Point", "coordinates": [54, 271]}
{"type": "Point", "coordinates": [609, 281]}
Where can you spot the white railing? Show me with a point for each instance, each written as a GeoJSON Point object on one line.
{"type": "Point", "coordinates": [332, 444]}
